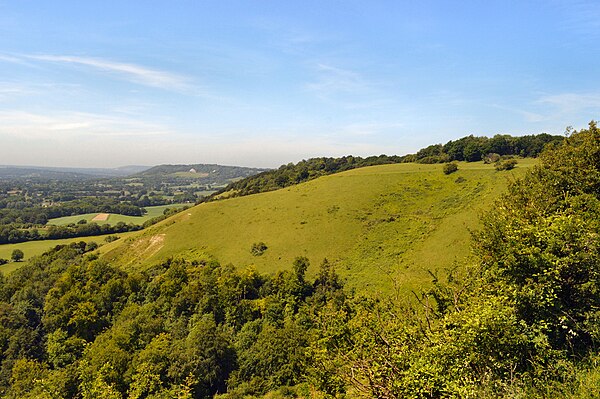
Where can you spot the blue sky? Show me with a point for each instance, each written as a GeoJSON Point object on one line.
{"type": "Point", "coordinates": [262, 83]}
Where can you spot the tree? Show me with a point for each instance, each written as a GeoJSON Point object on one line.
{"type": "Point", "coordinates": [541, 240]}
{"type": "Point", "coordinates": [17, 255]}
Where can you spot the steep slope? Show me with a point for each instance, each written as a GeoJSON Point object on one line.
{"type": "Point", "coordinates": [384, 227]}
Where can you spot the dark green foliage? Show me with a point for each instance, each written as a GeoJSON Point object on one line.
{"type": "Point", "coordinates": [450, 167]}
{"type": "Point", "coordinates": [543, 241]}
{"type": "Point", "coordinates": [87, 329]}
{"type": "Point", "coordinates": [17, 255]}
{"type": "Point", "coordinates": [111, 238]}
{"type": "Point", "coordinates": [472, 148]}
{"type": "Point", "coordinates": [12, 233]}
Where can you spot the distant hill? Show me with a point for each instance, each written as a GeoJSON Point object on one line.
{"type": "Point", "coordinates": [59, 173]}
{"type": "Point", "coordinates": [381, 226]}
{"type": "Point", "coordinates": [205, 173]}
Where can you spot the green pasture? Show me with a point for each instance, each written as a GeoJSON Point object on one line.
{"type": "Point", "coordinates": [384, 227]}
{"type": "Point", "coordinates": [152, 212]}
{"type": "Point", "coordinates": [34, 248]}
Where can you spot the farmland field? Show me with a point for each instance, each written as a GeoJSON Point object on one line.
{"type": "Point", "coordinates": [34, 248]}
{"type": "Point", "coordinates": [153, 211]}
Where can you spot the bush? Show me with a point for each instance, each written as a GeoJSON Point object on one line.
{"type": "Point", "coordinates": [450, 168]}
{"type": "Point", "coordinates": [258, 248]}
{"type": "Point", "coordinates": [506, 165]}
{"type": "Point", "coordinates": [491, 158]}
{"type": "Point", "coordinates": [111, 238]}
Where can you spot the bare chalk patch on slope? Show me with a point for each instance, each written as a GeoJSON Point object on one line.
{"type": "Point", "coordinates": [148, 246]}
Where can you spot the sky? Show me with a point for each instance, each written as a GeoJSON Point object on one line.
{"type": "Point", "coordinates": [264, 83]}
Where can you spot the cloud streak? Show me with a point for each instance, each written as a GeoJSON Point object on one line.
{"type": "Point", "coordinates": [572, 102]}
{"type": "Point", "coordinates": [66, 126]}
{"type": "Point", "coordinates": [333, 80]}
{"type": "Point", "coordinates": [131, 72]}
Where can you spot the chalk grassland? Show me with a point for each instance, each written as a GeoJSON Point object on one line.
{"type": "Point", "coordinates": [34, 248]}
{"type": "Point", "coordinates": [383, 227]}
{"type": "Point", "coordinates": [113, 219]}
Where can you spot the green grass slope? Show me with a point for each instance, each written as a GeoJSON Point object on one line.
{"type": "Point", "coordinates": [384, 227]}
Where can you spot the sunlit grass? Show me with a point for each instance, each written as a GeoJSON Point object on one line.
{"type": "Point", "coordinates": [382, 226]}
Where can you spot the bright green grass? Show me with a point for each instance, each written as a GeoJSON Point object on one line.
{"type": "Point", "coordinates": [383, 227]}
{"type": "Point", "coordinates": [153, 211]}
{"type": "Point", "coordinates": [34, 248]}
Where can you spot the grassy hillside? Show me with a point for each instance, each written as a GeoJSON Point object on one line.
{"type": "Point", "coordinates": [382, 226]}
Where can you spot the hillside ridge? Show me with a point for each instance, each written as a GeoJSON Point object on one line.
{"type": "Point", "coordinates": [375, 224]}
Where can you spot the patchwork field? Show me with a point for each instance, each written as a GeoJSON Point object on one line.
{"type": "Point", "coordinates": [112, 219]}
{"type": "Point", "coordinates": [34, 248]}
{"type": "Point", "coordinates": [384, 227]}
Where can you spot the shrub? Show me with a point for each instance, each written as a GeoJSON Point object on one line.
{"type": "Point", "coordinates": [450, 167]}
{"type": "Point", "coordinates": [258, 248]}
{"type": "Point", "coordinates": [111, 238]}
{"type": "Point", "coordinates": [506, 165]}
{"type": "Point", "coordinates": [491, 158]}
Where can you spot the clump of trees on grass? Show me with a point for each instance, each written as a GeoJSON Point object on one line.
{"type": "Point", "coordinates": [17, 255]}
{"type": "Point", "coordinates": [472, 148]}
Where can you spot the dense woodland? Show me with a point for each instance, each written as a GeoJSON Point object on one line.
{"type": "Point", "coordinates": [521, 321]}
{"type": "Point", "coordinates": [469, 148]}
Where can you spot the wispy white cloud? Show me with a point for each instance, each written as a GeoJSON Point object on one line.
{"type": "Point", "coordinates": [9, 90]}
{"type": "Point", "coordinates": [132, 72]}
{"type": "Point", "coordinates": [333, 80]}
{"type": "Point", "coordinates": [527, 115]}
{"type": "Point", "coordinates": [557, 109]}
{"type": "Point", "coordinates": [56, 127]}
{"type": "Point", "coordinates": [8, 58]}
{"type": "Point", "coordinates": [572, 102]}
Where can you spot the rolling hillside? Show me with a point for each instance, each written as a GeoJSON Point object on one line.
{"type": "Point", "coordinates": [208, 172]}
{"type": "Point", "coordinates": [383, 226]}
